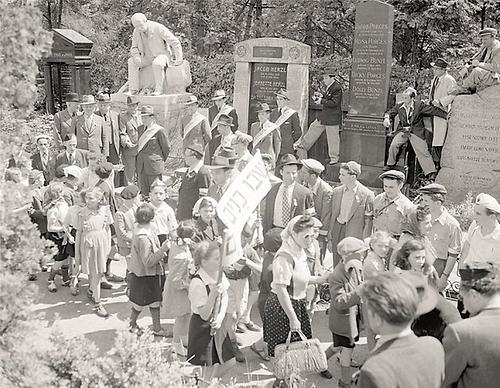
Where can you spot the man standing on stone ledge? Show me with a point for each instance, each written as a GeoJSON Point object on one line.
{"type": "Point", "coordinates": [485, 65]}
{"type": "Point", "coordinates": [152, 150]}
{"type": "Point", "coordinates": [219, 108]}
{"type": "Point", "coordinates": [329, 118]}
{"type": "Point", "coordinates": [152, 44]}
{"type": "Point", "coordinates": [288, 120]}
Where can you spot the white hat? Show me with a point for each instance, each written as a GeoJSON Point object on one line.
{"type": "Point", "coordinates": [488, 202]}
{"type": "Point", "coordinates": [196, 207]}
{"type": "Point", "coordinates": [73, 171]}
{"type": "Point", "coordinates": [313, 165]}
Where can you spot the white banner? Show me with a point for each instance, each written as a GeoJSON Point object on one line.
{"type": "Point", "coordinates": [244, 195]}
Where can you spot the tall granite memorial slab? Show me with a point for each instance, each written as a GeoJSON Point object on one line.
{"type": "Point", "coordinates": [265, 65]}
{"type": "Point", "coordinates": [470, 160]}
{"type": "Point", "coordinates": [363, 137]}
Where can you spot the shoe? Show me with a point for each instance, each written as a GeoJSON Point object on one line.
{"type": "Point", "coordinates": [90, 295]}
{"type": "Point", "coordinates": [67, 283]}
{"type": "Point", "coordinates": [331, 162]}
{"type": "Point", "coordinates": [261, 353]}
{"type": "Point", "coordinates": [114, 278]}
{"type": "Point", "coordinates": [105, 285]}
{"type": "Point", "coordinates": [241, 328]}
{"type": "Point", "coordinates": [238, 354]}
{"type": "Point", "coordinates": [356, 364]}
{"type": "Point", "coordinates": [32, 277]}
{"type": "Point", "coordinates": [252, 326]}
{"type": "Point", "coordinates": [326, 374]}
{"type": "Point", "coordinates": [155, 93]}
{"type": "Point", "coordinates": [388, 167]}
{"type": "Point", "coordinates": [101, 311]}
{"type": "Point", "coordinates": [162, 333]}
{"type": "Point", "coordinates": [52, 286]}
{"type": "Point", "coordinates": [137, 330]}
{"type": "Point", "coordinates": [45, 268]}
{"type": "Point", "coordinates": [74, 286]}
{"type": "Point", "coordinates": [341, 384]}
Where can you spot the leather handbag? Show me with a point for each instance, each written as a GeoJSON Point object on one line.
{"type": "Point", "coordinates": [301, 357]}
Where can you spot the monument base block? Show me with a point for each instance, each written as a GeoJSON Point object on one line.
{"type": "Point", "coordinates": [363, 139]}
{"type": "Point", "coordinates": [471, 155]}
{"type": "Point", "coordinates": [168, 111]}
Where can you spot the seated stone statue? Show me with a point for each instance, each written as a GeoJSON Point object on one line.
{"type": "Point", "coordinates": [484, 70]}
{"type": "Point", "coordinates": [155, 52]}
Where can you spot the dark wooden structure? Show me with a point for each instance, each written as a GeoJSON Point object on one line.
{"type": "Point", "coordinates": [67, 68]}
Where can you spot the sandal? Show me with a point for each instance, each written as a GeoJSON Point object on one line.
{"type": "Point", "coordinates": [261, 353]}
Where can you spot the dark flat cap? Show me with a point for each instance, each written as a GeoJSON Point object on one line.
{"type": "Point", "coordinates": [129, 192]}
{"type": "Point", "coordinates": [433, 188]}
{"type": "Point", "coordinates": [477, 270]}
{"type": "Point", "coordinates": [440, 63]}
{"type": "Point", "coordinates": [393, 174]}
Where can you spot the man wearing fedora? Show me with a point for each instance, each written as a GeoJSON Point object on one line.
{"type": "Point", "coordinates": [195, 127]}
{"type": "Point", "coordinates": [266, 135]}
{"type": "Point", "coordinates": [221, 107]}
{"type": "Point", "coordinates": [484, 69]}
{"type": "Point", "coordinates": [224, 137]}
{"type": "Point", "coordinates": [111, 126]}
{"type": "Point", "coordinates": [330, 118]}
{"type": "Point", "coordinates": [439, 96]}
{"type": "Point", "coordinates": [129, 122]}
{"type": "Point", "coordinates": [63, 120]}
{"type": "Point", "coordinates": [152, 150]}
{"type": "Point", "coordinates": [472, 346]}
{"type": "Point", "coordinates": [43, 160]}
{"type": "Point", "coordinates": [222, 170]}
{"type": "Point", "coordinates": [351, 208]}
{"type": "Point", "coordinates": [391, 206]}
{"type": "Point", "coordinates": [195, 182]}
{"type": "Point", "coordinates": [288, 121]}
{"type": "Point", "coordinates": [153, 45]}
{"type": "Point", "coordinates": [89, 128]}
{"type": "Point", "coordinates": [288, 198]}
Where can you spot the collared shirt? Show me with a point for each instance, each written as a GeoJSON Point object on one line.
{"type": "Point", "coordinates": [196, 168]}
{"type": "Point", "coordinates": [389, 214]}
{"type": "Point", "coordinates": [71, 157]}
{"type": "Point", "coordinates": [445, 235]}
{"type": "Point", "coordinates": [198, 292]}
{"type": "Point", "coordinates": [484, 248]}
{"type": "Point", "coordinates": [315, 187]}
{"type": "Point", "coordinates": [347, 200]}
{"type": "Point", "coordinates": [385, 338]}
{"type": "Point", "coordinates": [278, 205]}
{"type": "Point", "coordinates": [164, 220]}
{"type": "Point", "coordinates": [409, 111]}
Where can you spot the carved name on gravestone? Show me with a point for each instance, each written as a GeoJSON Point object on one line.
{"type": "Point", "coordinates": [363, 137]}
{"type": "Point", "coordinates": [471, 155]}
{"type": "Point", "coordinates": [265, 65]}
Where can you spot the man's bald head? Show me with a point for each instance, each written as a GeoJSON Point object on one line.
{"type": "Point", "coordinates": [139, 21]}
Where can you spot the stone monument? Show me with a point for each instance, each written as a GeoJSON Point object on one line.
{"type": "Point", "coordinates": [158, 76]}
{"type": "Point", "coordinates": [265, 65]}
{"type": "Point", "coordinates": [363, 137]}
{"type": "Point", "coordinates": [470, 160]}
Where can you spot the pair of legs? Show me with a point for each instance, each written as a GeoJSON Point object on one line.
{"type": "Point", "coordinates": [419, 146]}
{"type": "Point", "coordinates": [129, 168]}
{"type": "Point", "coordinates": [332, 136]}
{"type": "Point", "coordinates": [145, 182]}
{"type": "Point", "coordinates": [345, 357]}
{"type": "Point", "coordinates": [154, 309]}
{"type": "Point", "coordinates": [479, 79]}
{"type": "Point", "coordinates": [181, 330]}
{"type": "Point", "coordinates": [158, 65]}
{"type": "Point", "coordinates": [253, 296]}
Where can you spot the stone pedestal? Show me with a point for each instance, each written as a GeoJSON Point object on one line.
{"type": "Point", "coordinates": [168, 111]}
{"type": "Point", "coordinates": [471, 155]}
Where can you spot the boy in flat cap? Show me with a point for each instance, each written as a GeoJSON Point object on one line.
{"type": "Point", "coordinates": [483, 238]}
{"type": "Point", "coordinates": [351, 208]}
{"type": "Point", "coordinates": [445, 234]}
{"type": "Point", "coordinates": [472, 346]}
{"type": "Point", "coordinates": [485, 65]}
{"type": "Point", "coordinates": [391, 207]}
{"type": "Point", "coordinates": [125, 218]}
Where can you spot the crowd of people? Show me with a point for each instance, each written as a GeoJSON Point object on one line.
{"type": "Point", "coordinates": [101, 197]}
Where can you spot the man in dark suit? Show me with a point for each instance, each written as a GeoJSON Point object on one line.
{"type": "Point", "coordinates": [411, 127]}
{"type": "Point", "coordinates": [219, 108]}
{"type": "Point", "coordinates": [400, 358]}
{"type": "Point", "coordinates": [111, 127]}
{"type": "Point", "coordinates": [89, 129]}
{"type": "Point", "coordinates": [130, 121]}
{"type": "Point", "coordinates": [351, 208]}
{"type": "Point", "coordinates": [288, 121]}
{"type": "Point", "coordinates": [152, 150]}
{"type": "Point", "coordinates": [288, 198]}
{"type": "Point", "coordinates": [472, 346]}
{"type": "Point", "coordinates": [329, 118]}
{"type": "Point", "coordinates": [195, 182]}
{"type": "Point", "coordinates": [71, 155]}
{"type": "Point", "coordinates": [63, 120]}
{"type": "Point", "coordinates": [42, 160]}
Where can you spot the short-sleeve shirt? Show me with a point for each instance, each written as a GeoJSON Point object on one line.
{"type": "Point", "coordinates": [292, 272]}
{"type": "Point", "coordinates": [445, 235]}
{"type": "Point", "coordinates": [389, 214]}
{"type": "Point", "coordinates": [198, 295]}
{"type": "Point", "coordinates": [484, 248]}
{"type": "Point", "coordinates": [164, 221]}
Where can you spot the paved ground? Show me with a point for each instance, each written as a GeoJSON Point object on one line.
{"type": "Point", "coordinates": [73, 316]}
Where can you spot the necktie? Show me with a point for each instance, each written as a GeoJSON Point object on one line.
{"type": "Point", "coordinates": [433, 88]}
{"type": "Point", "coordinates": [45, 159]}
{"type": "Point", "coordinates": [410, 114]}
{"type": "Point", "coordinates": [286, 207]}
{"type": "Point", "coordinates": [70, 159]}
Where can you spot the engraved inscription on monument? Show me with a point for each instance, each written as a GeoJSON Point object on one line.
{"type": "Point", "coordinates": [266, 79]}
